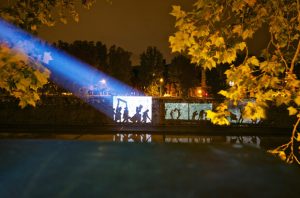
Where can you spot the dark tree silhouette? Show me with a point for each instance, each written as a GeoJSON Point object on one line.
{"type": "Point", "coordinates": [183, 72]}
{"type": "Point", "coordinates": [151, 66]}
{"type": "Point", "coordinates": [119, 64]}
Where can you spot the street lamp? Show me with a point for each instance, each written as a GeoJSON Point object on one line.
{"type": "Point", "coordinates": [161, 81]}
{"type": "Point", "coordinates": [102, 86]}
{"type": "Point", "coordinates": [103, 81]}
{"type": "Point", "coordinates": [199, 92]}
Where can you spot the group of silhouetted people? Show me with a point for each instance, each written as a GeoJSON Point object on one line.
{"type": "Point", "coordinates": [202, 115]}
{"type": "Point", "coordinates": [138, 117]}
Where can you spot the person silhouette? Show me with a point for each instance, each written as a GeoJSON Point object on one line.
{"type": "Point", "coordinates": [118, 114]}
{"type": "Point", "coordinates": [126, 115]}
{"type": "Point", "coordinates": [195, 113]}
{"type": "Point", "coordinates": [145, 116]}
{"type": "Point", "coordinates": [201, 115]}
{"type": "Point", "coordinates": [172, 114]}
{"type": "Point", "coordinates": [179, 113]}
{"type": "Point", "coordinates": [137, 117]}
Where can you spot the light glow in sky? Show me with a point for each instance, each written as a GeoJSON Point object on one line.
{"type": "Point", "coordinates": [63, 67]}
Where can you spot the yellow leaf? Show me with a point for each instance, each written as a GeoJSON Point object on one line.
{"type": "Point", "coordinates": [254, 111]}
{"type": "Point", "coordinates": [217, 118]}
{"type": "Point", "coordinates": [282, 155]}
{"type": "Point", "coordinates": [292, 110]}
{"type": "Point", "coordinates": [42, 78]}
{"type": "Point", "coordinates": [223, 92]}
{"type": "Point", "coordinates": [298, 137]}
{"type": "Point", "coordinates": [220, 41]}
{"type": "Point", "coordinates": [297, 100]}
{"type": "Point", "coordinates": [209, 64]}
{"type": "Point", "coordinates": [247, 34]}
{"type": "Point", "coordinates": [237, 29]}
{"type": "Point", "coordinates": [22, 104]}
{"type": "Point", "coordinates": [177, 12]}
{"type": "Point", "coordinates": [222, 107]}
{"type": "Point", "coordinates": [253, 60]}
{"type": "Point", "coordinates": [240, 46]}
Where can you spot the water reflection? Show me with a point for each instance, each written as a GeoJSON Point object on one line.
{"type": "Point", "coordinates": [248, 140]}
{"type": "Point", "coordinates": [148, 138]}
{"type": "Point", "coordinates": [195, 139]}
{"type": "Point", "coordinates": [263, 142]}
{"type": "Point", "coordinates": [235, 140]}
{"type": "Point", "coordinates": [143, 138]}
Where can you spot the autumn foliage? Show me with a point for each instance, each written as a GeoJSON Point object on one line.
{"type": "Point", "coordinates": [217, 32]}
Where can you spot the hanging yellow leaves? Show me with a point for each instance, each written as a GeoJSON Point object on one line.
{"type": "Point", "coordinates": [269, 78]}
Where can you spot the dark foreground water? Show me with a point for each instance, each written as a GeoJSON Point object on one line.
{"type": "Point", "coordinates": [164, 166]}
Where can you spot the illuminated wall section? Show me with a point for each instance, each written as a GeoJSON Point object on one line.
{"type": "Point", "coordinates": [132, 109]}
{"type": "Point", "coordinates": [176, 111]}
{"type": "Point", "coordinates": [235, 115]}
{"type": "Point", "coordinates": [197, 111]}
{"type": "Point", "coordinates": [186, 111]}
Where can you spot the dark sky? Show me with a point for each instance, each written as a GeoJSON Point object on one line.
{"type": "Point", "coordinates": [131, 24]}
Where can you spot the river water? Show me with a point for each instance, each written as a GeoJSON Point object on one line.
{"type": "Point", "coordinates": [261, 142]}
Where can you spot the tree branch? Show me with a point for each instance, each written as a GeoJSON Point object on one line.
{"type": "Point", "coordinates": [293, 136]}
{"type": "Point", "coordinates": [295, 58]}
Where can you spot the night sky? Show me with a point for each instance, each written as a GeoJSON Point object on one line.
{"type": "Point", "coordinates": [131, 24]}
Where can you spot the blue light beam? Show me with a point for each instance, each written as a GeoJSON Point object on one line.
{"type": "Point", "coordinates": [64, 68]}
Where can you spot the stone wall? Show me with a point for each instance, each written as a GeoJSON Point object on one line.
{"type": "Point", "coordinates": [71, 110]}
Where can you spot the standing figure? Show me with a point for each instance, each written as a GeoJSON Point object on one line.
{"type": "Point", "coordinates": [137, 117]}
{"type": "Point", "coordinates": [195, 113]}
{"type": "Point", "coordinates": [118, 114]}
{"type": "Point", "coordinates": [179, 113]}
{"type": "Point", "coordinates": [201, 115]}
{"type": "Point", "coordinates": [146, 116]}
{"type": "Point", "coordinates": [126, 115]}
{"type": "Point", "coordinates": [172, 114]}
{"type": "Point", "coordinates": [233, 117]}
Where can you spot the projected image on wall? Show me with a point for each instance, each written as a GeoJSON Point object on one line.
{"type": "Point", "coordinates": [187, 111]}
{"type": "Point", "coordinates": [236, 113]}
{"type": "Point", "coordinates": [176, 111]}
{"type": "Point", "coordinates": [197, 111]}
{"type": "Point", "coordinates": [132, 109]}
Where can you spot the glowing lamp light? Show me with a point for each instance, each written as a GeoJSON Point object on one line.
{"type": "Point", "coordinates": [64, 68]}
{"type": "Point", "coordinates": [161, 80]}
{"type": "Point", "coordinates": [199, 92]}
{"type": "Point", "coordinates": [231, 83]}
{"type": "Point", "coordinates": [103, 81]}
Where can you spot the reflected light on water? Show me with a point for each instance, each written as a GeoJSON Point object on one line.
{"type": "Point", "coordinates": [262, 142]}
{"type": "Point", "coordinates": [148, 138]}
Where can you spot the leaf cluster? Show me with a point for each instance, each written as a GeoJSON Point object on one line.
{"type": "Point", "coordinates": [216, 32]}
{"type": "Point", "coordinates": [30, 15]}
{"type": "Point", "coordinates": [20, 75]}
